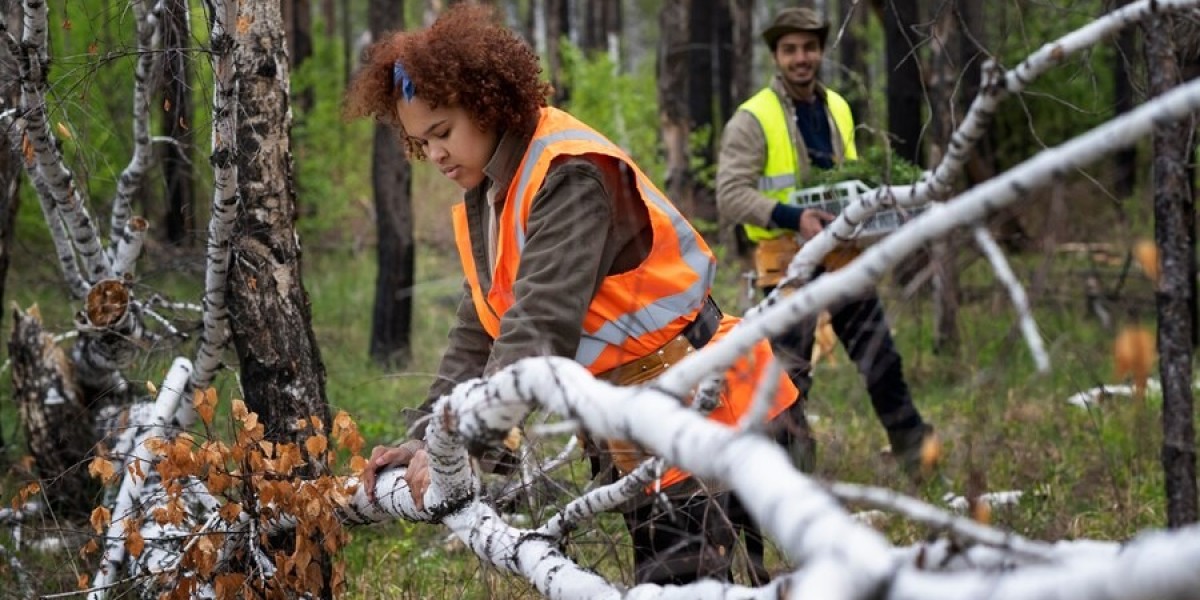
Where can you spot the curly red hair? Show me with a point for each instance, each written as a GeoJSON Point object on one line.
{"type": "Point", "coordinates": [465, 59]}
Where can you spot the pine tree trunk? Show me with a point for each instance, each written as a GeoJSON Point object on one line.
{"type": "Point", "coordinates": [673, 100]}
{"type": "Point", "coordinates": [903, 79]}
{"type": "Point", "coordinates": [270, 315]}
{"type": "Point", "coordinates": [852, 16]}
{"type": "Point", "coordinates": [391, 321]}
{"type": "Point", "coordinates": [944, 73]}
{"type": "Point", "coordinates": [557, 25]}
{"type": "Point", "coordinates": [1124, 162]}
{"type": "Point", "coordinates": [176, 124]}
{"type": "Point", "coordinates": [1174, 232]}
{"type": "Point", "coordinates": [741, 58]}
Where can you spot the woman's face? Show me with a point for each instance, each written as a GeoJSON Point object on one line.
{"type": "Point", "coordinates": [451, 139]}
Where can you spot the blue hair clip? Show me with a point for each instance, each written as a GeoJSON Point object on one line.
{"type": "Point", "coordinates": [401, 80]}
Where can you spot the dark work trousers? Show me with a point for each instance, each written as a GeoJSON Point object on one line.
{"type": "Point", "coordinates": [863, 330]}
{"type": "Point", "coordinates": [677, 541]}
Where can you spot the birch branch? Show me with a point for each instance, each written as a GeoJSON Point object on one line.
{"type": "Point", "coordinates": [996, 86]}
{"type": "Point", "coordinates": [129, 247]}
{"type": "Point", "coordinates": [68, 201]}
{"type": "Point", "coordinates": [926, 514]}
{"type": "Point", "coordinates": [776, 314]}
{"type": "Point", "coordinates": [1029, 328]}
{"type": "Point", "coordinates": [165, 406]}
{"type": "Point", "coordinates": [225, 195]}
{"type": "Point", "coordinates": [133, 175]}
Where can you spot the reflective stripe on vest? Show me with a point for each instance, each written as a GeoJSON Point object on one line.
{"type": "Point", "coordinates": [632, 313]}
{"type": "Point", "coordinates": [781, 174]}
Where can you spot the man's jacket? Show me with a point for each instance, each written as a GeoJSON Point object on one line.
{"type": "Point", "coordinates": [763, 156]}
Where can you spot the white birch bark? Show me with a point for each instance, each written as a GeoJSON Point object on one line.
{"type": "Point", "coordinates": [129, 498]}
{"type": "Point", "coordinates": [147, 19]}
{"type": "Point", "coordinates": [996, 86]}
{"type": "Point", "coordinates": [225, 195]}
{"type": "Point", "coordinates": [68, 201]}
{"type": "Point", "coordinates": [1029, 328]}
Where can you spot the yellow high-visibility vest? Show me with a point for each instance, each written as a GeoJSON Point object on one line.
{"type": "Point", "coordinates": [781, 173]}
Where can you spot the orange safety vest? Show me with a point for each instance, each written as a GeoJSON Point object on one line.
{"type": "Point", "coordinates": [634, 313]}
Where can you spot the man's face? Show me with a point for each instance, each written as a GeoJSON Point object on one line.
{"type": "Point", "coordinates": [798, 57]}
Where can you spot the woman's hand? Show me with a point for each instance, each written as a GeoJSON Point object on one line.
{"type": "Point", "coordinates": [411, 454]}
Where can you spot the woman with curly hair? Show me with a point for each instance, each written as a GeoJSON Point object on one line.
{"type": "Point", "coordinates": [568, 249]}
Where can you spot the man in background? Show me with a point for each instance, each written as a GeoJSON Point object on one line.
{"type": "Point", "coordinates": [772, 142]}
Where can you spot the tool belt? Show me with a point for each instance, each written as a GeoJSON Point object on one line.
{"type": "Point", "coordinates": [772, 257]}
{"type": "Point", "coordinates": [626, 455]}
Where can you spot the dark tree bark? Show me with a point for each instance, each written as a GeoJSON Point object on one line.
{"type": "Point", "coordinates": [741, 57]}
{"type": "Point", "coordinates": [852, 16]}
{"type": "Point", "coordinates": [600, 18]}
{"type": "Point", "coordinates": [1174, 232]}
{"type": "Point", "coordinates": [54, 411]}
{"type": "Point", "coordinates": [391, 321]}
{"type": "Point", "coordinates": [557, 26]}
{"type": "Point", "coordinates": [10, 156]}
{"type": "Point", "coordinates": [903, 79]}
{"type": "Point", "coordinates": [297, 19]}
{"type": "Point", "coordinates": [709, 103]}
{"type": "Point", "coordinates": [177, 114]}
{"type": "Point", "coordinates": [945, 67]}
{"type": "Point", "coordinates": [329, 16]}
{"type": "Point", "coordinates": [673, 101]}
{"type": "Point", "coordinates": [270, 314]}
{"type": "Point", "coordinates": [1125, 160]}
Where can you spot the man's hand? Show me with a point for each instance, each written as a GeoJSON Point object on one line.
{"type": "Point", "coordinates": [813, 221]}
{"type": "Point", "coordinates": [411, 454]}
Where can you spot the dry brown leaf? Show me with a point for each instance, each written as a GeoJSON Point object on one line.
{"type": "Point", "coordinates": [512, 441]}
{"type": "Point", "coordinates": [90, 547]}
{"type": "Point", "coordinates": [1146, 253]}
{"type": "Point", "coordinates": [218, 482]}
{"type": "Point", "coordinates": [227, 585]}
{"type": "Point", "coordinates": [82, 580]}
{"type": "Point", "coordinates": [981, 511]}
{"type": "Point", "coordinates": [27, 491]}
{"type": "Point", "coordinates": [358, 464]}
{"type": "Point", "coordinates": [316, 444]}
{"type": "Point", "coordinates": [239, 410]}
{"type": "Point", "coordinates": [100, 518]}
{"type": "Point", "coordinates": [230, 512]}
{"type": "Point", "coordinates": [134, 544]}
{"type": "Point", "coordinates": [1134, 354]}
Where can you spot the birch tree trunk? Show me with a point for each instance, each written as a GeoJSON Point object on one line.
{"type": "Point", "coordinates": [177, 112]}
{"type": "Point", "coordinates": [53, 408]}
{"type": "Point", "coordinates": [391, 321]}
{"type": "Point", "coordinates": [1174, 232]}
{"type": "Point", "coordinates": [270, 316]}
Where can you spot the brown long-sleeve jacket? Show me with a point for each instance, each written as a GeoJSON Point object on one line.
{"type": "Point", "coordinates": [743, 157]}
{"type": "Point", "coordinates": [586, 222]}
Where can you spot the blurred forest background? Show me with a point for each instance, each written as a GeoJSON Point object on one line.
{"type": "Point", "coordinates": [660, 78]}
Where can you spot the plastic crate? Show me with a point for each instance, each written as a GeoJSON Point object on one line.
{"type": "Point", "coordinates": [834, 198]}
